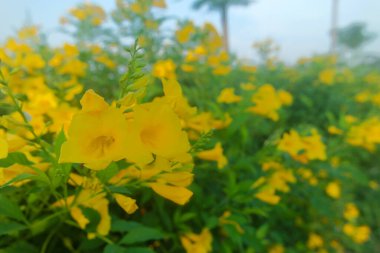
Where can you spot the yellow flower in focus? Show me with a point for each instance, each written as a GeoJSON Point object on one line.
{"type": "Point", "coordinates": [228, 96]}
{"type": "Point", "coordinates": [315, 241]}
{"type": "Point", "coordinates": [333, 190]}
{"type": "Point", "coordinates": [215, 154]}
{"type": "Point", "coordinates": [97, 135]}
{"type": "Point", "coordinates": [351, 212]}
{"type": "Point", "coordinates": [327, 76]}
{"type": "Point", "coordinates": [194, 243]}
{"type": "Point", "coordinates": [156, 130]}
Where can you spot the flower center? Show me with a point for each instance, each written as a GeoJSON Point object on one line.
{"type": "Point", "coordinates": [100, 144]}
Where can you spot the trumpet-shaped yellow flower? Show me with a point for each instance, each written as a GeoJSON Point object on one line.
{"type": "Point", "coordinates": [215, 154]}
{"type": "Point", "coordinates": [157, 130]}
{"type": "Point", "coordinates": [128, 204]}
{"type": "Point", "coordinates": [97, 135]}
{"type": "Point", "coordinates": [228, 96]}
{"type": "Point", "coordinates": [194, 243]}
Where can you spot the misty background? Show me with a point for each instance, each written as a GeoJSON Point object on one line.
{"type": "Point", "coordinates": [299, 27]}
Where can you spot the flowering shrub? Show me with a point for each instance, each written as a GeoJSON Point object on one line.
{"type": "Point", "coordinates": [132, 139]}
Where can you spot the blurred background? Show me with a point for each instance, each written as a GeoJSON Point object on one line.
{"type": "Point", "coordinates": [298, 27]}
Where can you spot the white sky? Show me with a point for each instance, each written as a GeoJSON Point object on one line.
{"type": "Point", "coordinates": [300, 27]}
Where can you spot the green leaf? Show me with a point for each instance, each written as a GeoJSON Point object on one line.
{"type": "Point", "coordinates": [142, 234]}
{"type": "Point", "coordinates": [10, 209]}
{"type": "Point", "coordinates": [20, 246]}
{"type": "Point", "coordinates": [113, 248]}
{"type": "Point", "coordinates": [13, 158]}
{"type": "Point", "coordinates": [44, 224]}
{"type": "Point", "coordinates": [59, 140]}
{"type": "Point", "coordinates": [108, 173]}
{"type": "Point", "coordinates": [8, 228]}
{"type": "Point", "coordinates": [123, 226]}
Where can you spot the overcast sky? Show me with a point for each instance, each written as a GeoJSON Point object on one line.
{"type": "Point", "coordinates": [300, 27]}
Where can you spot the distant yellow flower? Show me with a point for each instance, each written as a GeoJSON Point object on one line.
{"type": "Point", "coordinates": [334, 130]}
{"type": "Point", "coordinates": [278, 248]}
{"type": "Point", "coordinates": [97, 135]}
{"type": "Point", "coordinates": [183, 35]}
{"type": "Point", "coordinates": [327, 76]}
{"type": "Point", "coordinates": [159, 3]}
{"type": "Point", "coordinates": [247, 86]}
{"type": "Point", "coordinates": [221, 70]}
{"type": "Point", "coordinates": [164, 69]}
{"type": "Point", "coordinates": [351, 212]}
{"type": "Point", "coordinates": [359, 234]}
{"type": "Point", "coordinates": [268, 195]}
{"type": "Point", "coordinates": [215, 154]}
{"type": "Point", "coordinates": [333, 190]}
{"type": "Point", "coordinates": [228, 96]}
{"type": "Point", "coordinates": [194, 243]}
{"type": "Point", "coordinates": [315, 241]}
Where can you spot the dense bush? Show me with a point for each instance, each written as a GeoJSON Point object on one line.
{"type": "Point", "coordinates": [139, 138]}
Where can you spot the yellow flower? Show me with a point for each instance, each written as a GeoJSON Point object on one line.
{"type": "Point", "coordinates": [156, 129]}
{"type": "Point", "coordinates": [334, 130]}
{"type": "Point", "coordinates": [351, 212]}
{"type": "Point", "coordinates": [278, 248]}
{"type": "Point", "coordinates": [183, 35]}
{"type": "Point", "coordinates": [159, 4]}
{"type": "Point", "coordinates": [285, 97]}
{"type": "Point", "coordinates": [128, 204]}
{"type": "Point", "coordinates": [268, 195]}
{"type": "Point", "coordinates": [327, 76]}
{"type": "Point", "coordinates": [221, 70]}
{"type": "Point", "coordinates": [97, 135]}
{"type": "Point", "coordinates": [215, 154]}
{"type": "Point", "coordinates": [291, 143]}
{"type": "Point", "coordinates": [93, 199]}
{"type": "Point", "coordinates": [228, 96]}
{"type": "Point", "coordinates": [333, 190]}
{"type": "Point", "coordinates": [177, 194]}
{"type": "Point", "coordinates": [358, 234]}
{"type": "Point", "coordinates": [315, 241]}
{"type": "Point", "coordinates": [194, 243]}
{"type": "Point", "coordinates": [164, 69]}
{"type": "Point", "coordinates": [3, 147]}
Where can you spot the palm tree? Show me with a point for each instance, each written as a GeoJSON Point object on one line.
{"type": "Point", "coordinates": [222, 7]}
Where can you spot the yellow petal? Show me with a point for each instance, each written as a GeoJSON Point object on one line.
{"type": "Point", "coordinates": [177, 194]}
{"type": "Point", "coordinates": [3, 148]}
{"type": "Point", "coordinates": [92, 102]}
{"type": "Point", "coordinates": [79, 217]}
{"type": "Point", "coordinates": [127, 203]}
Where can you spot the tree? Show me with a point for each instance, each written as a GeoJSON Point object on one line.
{"type": "Point", "coordinates": [222, 7]}
{"type": "Point", "coordinates": [334, 25]}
